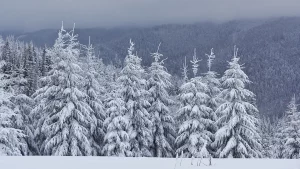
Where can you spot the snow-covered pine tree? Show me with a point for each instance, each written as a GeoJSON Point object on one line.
{"type": "Point", "coordinates": [279, 138]}
{"type": "Point", "coordinates": [6, 57]}
{"type": "Point", "coordinates": [213, 83]}
{"type": "Point", "coordinates": [238, 134]}
{"type": "Point", "coordinates": [159, 83]}
{"type": "Point", "coordinates": [193, 136]}
{"type": "Point", "coordinates": [64, 118]}
{"type": "Point", "coordinates": [267, 137]}
{"type": "Point", "coordinates": [11, 137]}
{"type": "Point", "coordinates": [292, 131]}
{"type": "Point", "coordinates": [134, 94]}
{"type": "Point", "coordinates": [15, 84]}
{"type": "Point", "coordinates": [214, 88]}
{"type": "Point", "coordinates": [92, 90]}
{"type": "Point", "coordinates": [45, 64]}
{"type": "Point", "coordinates": [30, 70]}
{"type": "Point", "coordinates": [116, 140]}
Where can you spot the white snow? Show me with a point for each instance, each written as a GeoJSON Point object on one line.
{"type": "Point", "coordinates": [30, 162]}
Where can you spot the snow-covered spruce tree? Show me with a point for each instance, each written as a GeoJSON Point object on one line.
{"type": "Point", "coordinates": [92, 90]}
{"type": "Point", "coordinates": [11, 137]}
{"type": "Point", "coordinates": [163, 123]}
{"type": "Point", "coordinates": [65, 121]}
{"type": "Point", "coordinates": [15, 84]}
{"type": "Point", "coordinates": [134, 94]}
{"type": "Point", "coordinates": [193, 136]}
{"type": "Point", "coordinates": [6, 57]}
{"type": "Point", "coordinates": [45, 65]}
{"type": "Point", "coordinates": [238, 134]}
{"type": "Point", "coordinates": [116, 140]}
{"type": "Point", "coordinates": [30, 70]}
{"type": "Point", "coordinates": [267, 136]}
{"type": "Point", "coordinates": [279, 139]}
{"type": "Point", "coordinates": [292, 131]}
{"type": "Point", "coordinates": [213, 83]}
{"type": "Point", "coordinates": [214, 89]}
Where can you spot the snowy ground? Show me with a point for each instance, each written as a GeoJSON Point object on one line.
{"type": "Point", "coordinates": [140, 163]}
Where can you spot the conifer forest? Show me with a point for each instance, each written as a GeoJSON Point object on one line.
{"type": "Point", "coordinates": [64, 100]}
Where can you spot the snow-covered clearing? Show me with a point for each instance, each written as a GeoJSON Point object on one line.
{"type": "Point", "coordinates": [140, 163]}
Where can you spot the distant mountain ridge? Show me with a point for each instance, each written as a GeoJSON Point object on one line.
{"type": "Point", "coordinates": [270, 50]}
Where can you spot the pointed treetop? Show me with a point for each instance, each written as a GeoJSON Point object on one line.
{"type": "Point", "coordinates": [235, 51]}
{"type": "Point", "coordinates": [195, 64]}
{"type": "Point", "coordinates": [89, 49]}
{"type": "Point", "coordinates": [62, 25]}
{"type": "Point", "coordinates": [158, 47]}
{"type": "Point", "coordinates": [157, 55]}
{"type": "Point", "coordinates": [292, 107]}
{"type": "Point", "coordinates": [210, 59]}
{"type": "Point", "coordinates": [131, 48]}
{"type": "Point", "coordinates": [73, 30]}
{"type": "Point", "coordinates": [185, 70]}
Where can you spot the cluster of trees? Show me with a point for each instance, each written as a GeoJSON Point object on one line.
{"type": "Point", "coordinates": [64, 101]}
{"type": "Point", "coordinates": [281, 139]}
{"type": "Point", "coordinates": [268, 47]}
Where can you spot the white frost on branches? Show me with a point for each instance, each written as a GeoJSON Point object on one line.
{"type": "Point", "coordinates": [64, 120]}
{"type": "Point", "coordinates": [134, 94]}
{"type": "Point", "coordinates": [238, 135]}
{"type": "Point", "coordinates": [159, 83]}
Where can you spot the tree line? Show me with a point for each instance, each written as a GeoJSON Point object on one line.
{"type": "Point", "coordinates": [64, 101]}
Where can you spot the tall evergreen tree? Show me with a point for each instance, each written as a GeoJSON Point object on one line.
{"type": "Point", "coordinates": [193, 136]}
{"type": "Point", "coordinates": [6, 57]}
{"type": "Point", "coordinates": [30, 69]}
{"type": "Point", "coordinates": [214, 89]}
{"type": "Point", "coordinates": [92, 90]}
{"type": "Point", "coordinates": [292, 131]}
{"type": "Point", "coordinates": [163, 123]}
{"type": "Point", "coordinates": [267, 136]}
{"type": "Point", "coordinates": [238, 134]}
{"type": "Point", "coordinates": [43, 65]}
{"type": "Point", "coordinates": [16, 85]}
{"type": "Point", "coordinates": [65, 121]}
{"type": "Point", "coordinates": [134, 95]}
{"type": "Point", "coordinates": [213, 83]}
{"type": "Point", "coordinates": [279, 138]}
{"type": "Point", "coordinates": [11, 137]}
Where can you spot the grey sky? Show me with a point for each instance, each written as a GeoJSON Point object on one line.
{"type": "Point", "coordinates": [38, 14]}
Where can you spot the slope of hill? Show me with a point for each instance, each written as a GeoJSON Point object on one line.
{"type": "Point", "coordinates": [270, 50]}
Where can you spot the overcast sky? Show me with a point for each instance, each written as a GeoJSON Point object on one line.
{"type": "Point", "coordinates": [39, 14]}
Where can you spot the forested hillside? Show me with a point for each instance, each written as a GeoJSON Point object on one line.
{"type": "Point", "coordinates": [270, 50]}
